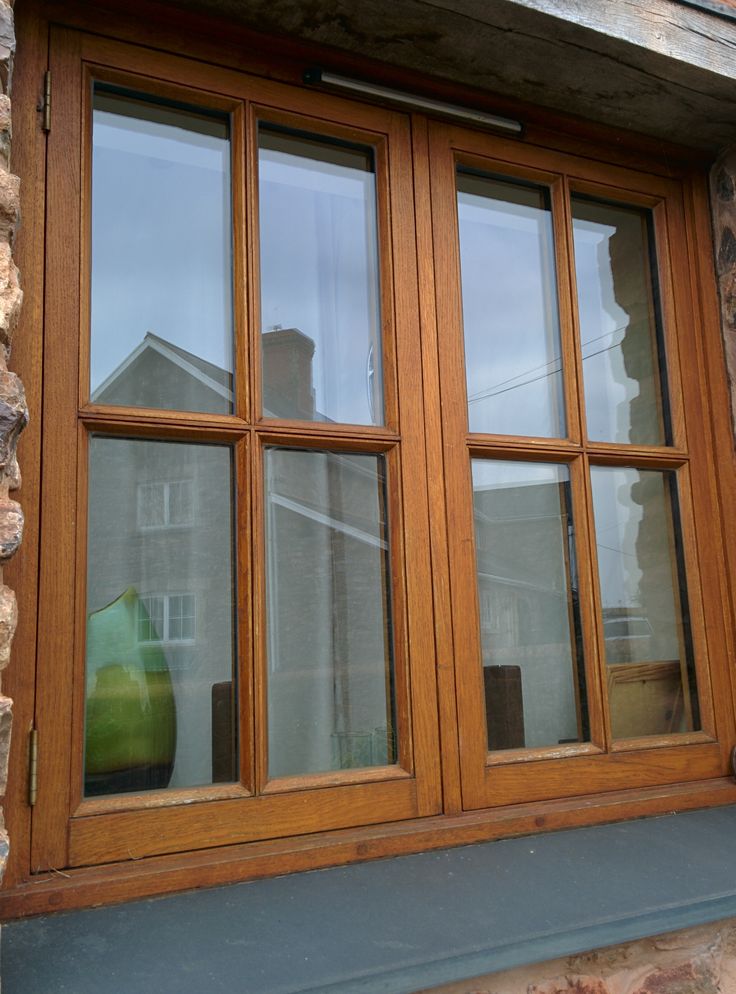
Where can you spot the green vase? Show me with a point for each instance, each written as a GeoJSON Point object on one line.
{"type": "Point", "coordinates": [130, 729]}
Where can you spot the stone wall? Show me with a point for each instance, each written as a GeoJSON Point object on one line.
{"type": "Point", "coordinates": [13, 411]}
{"type": "Point", "coordinates": [723, 200]}
{"type": "Point", "coordinates": [695, 961]}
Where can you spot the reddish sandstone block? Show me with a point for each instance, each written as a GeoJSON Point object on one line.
{"type": "Point", "coordinates": [571, 985]}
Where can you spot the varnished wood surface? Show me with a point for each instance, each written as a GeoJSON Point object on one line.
{"type": "Point", "coordinates": [498, 784]}
{"type": "Point", "coordinates": [146, 832]}
{"type": "Point", "coordinates": [719, 561]}
{"type": "Point", "coordinates": [56, 637]}
{"type": "Point", "coordinates": [108, 830]}
{"type": "Point", "coordinates": [130, 880]}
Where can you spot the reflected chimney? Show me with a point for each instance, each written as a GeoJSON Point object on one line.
{"type": "Point", "coordinates": [288, 390]}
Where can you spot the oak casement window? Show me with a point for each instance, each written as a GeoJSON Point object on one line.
{"type": "Point", "coordinates": [570, 470]}
{"type": "Point", "coordinates": [243, 646]}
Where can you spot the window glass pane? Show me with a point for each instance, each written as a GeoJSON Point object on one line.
{"type": "Point", "coordinates": [618, 324]}
{"type": "Point", "coordinates": [160, 629]}
{"type": "Point", "coordinates": [510, 316]}
{"type": "Point", "coordinates": [330, 661]}
{"type": "Point", "coordinates": [161, 310]}
{"type": "Point", "coordinates": [528, 595]}
{"type": "Point", "coordinates": [646, 625]}
{"type": "Point", "coordinates": [320, 304]}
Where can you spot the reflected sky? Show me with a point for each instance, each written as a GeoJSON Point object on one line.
{"type": "Point", "coordinates": [161, 233]}
{"type": "Point", "coordinates": [510, 318]}
{"type": "Point", "coordinates": [319, 270]}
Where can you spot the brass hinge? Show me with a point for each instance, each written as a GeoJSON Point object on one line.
{"type": "Point", "coordinates": [46, 105]}
{"type": "Point", "coordinates": [33, 767]}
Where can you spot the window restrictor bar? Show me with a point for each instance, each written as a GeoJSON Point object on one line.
{"type": "Point", "coordinates": [412, 101]}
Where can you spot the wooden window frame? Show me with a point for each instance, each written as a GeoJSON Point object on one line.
{"type": "Point", "coordinates": [448, 793]}
{"type": "Point", "coordinates": [112, 829]}
{"type": "Point", "coordinates": [517, 777]}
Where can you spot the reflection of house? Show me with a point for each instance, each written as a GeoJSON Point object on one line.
{"type": "Point", "coordinates": [527, 613]}
{"type": "Point", "coordinates": [330, 640]}
{"type": "Point", "coordinates": [160, 374]}
{"type": "Point", "coordinates": [160, 521]}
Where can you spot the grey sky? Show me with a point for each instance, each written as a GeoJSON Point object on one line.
{"type": "Point", "coordinates": [161, 237]}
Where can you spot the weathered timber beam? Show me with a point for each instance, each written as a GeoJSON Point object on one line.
{"type": "Point", "coordinates": [681, 33]}
{"type": "Point", "coordinates": [659, 67]}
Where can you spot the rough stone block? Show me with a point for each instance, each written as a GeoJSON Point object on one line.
{"type": "Point", "coordinates": [13, 476]}
{"type": "Point", "coordinates": [4, 850]}
{"type": "Point", "coordinates": [693, 977]}
{"type": "Point", "coordinates": [9, 204]}
{"type": "Point", "coordinates": [723, 199]}
{"type": "Point", "coordinates": [724, 185]}
{"type": "Point", "coordinates": [11, 528]}
{"type": "Point", "coordinates": [8, 622]}
{"type": "Point", "coordinates": [5, 130]}
{"type": "Point", "coordinates": [13, 419]}
{"type": "Point", "coordinates": [6, 721]}
{"type": "Point", "coordinates": [7, 44]}
{"type": "Point", "coordinates": [727, 250]}
{"type": "Point", "coordinates": [11, 297]}
{"type": "Point", "coordinates": [571, 985]}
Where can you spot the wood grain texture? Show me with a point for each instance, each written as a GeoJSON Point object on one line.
{"type": "Point", "coordinates": [503, 781]}
{"type": "Point", "coordinates": [186, 818]}
{"type": "Point", "coordinates": [56, 640]}
{"type": "Point", "coordinates": [654, 62]}
{"type": "Point", "coordinates": [443, 629]}
{"type": "Point", "coordinates": [719, 429]}
{"type": "Point", "coordinates": [224, 42]}
{"type": "Point", "coordinates": [691, 37]}
{"type": "Point", "coordinates": [128, 880]}
{"type": "Point", "coordinates": [197, 825]}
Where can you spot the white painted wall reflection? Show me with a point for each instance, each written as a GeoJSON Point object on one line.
{"type": "Point", "coordinates": [528, 595]}
{"type": "Point", "coordinates": [623, 393]}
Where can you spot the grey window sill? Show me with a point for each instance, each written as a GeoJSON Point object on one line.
{"type": "Point", "coordinates": [393, 926]}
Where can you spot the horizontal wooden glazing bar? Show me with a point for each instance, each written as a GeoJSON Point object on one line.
{"type": "Point", "coordinates": [159, 799]}
{"type": "Point", "coordinates": [541, 449]}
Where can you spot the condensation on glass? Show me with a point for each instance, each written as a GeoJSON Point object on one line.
{"type": "Point", "coordinates": [319, 272]}
{"type": "Point", "coordinates": [161, 281]}
{"type": "Point", "coordinates": [513, 360]}
{"type": "Point", "coordinates": [331, 702]}
{"type": "Point", "coordinates": [160, 643]}
{"type": "Point", "coordinates": [534, 682]}
{"type": "Point", "coordinates": [646, 623]}
{"type": "Point", "coordinates": [625, 393]}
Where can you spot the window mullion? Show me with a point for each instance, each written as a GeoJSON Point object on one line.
{"type": "Point", "coordinates": [572, 362]}
{"type": "Point", "coordinates": [590, 607]}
